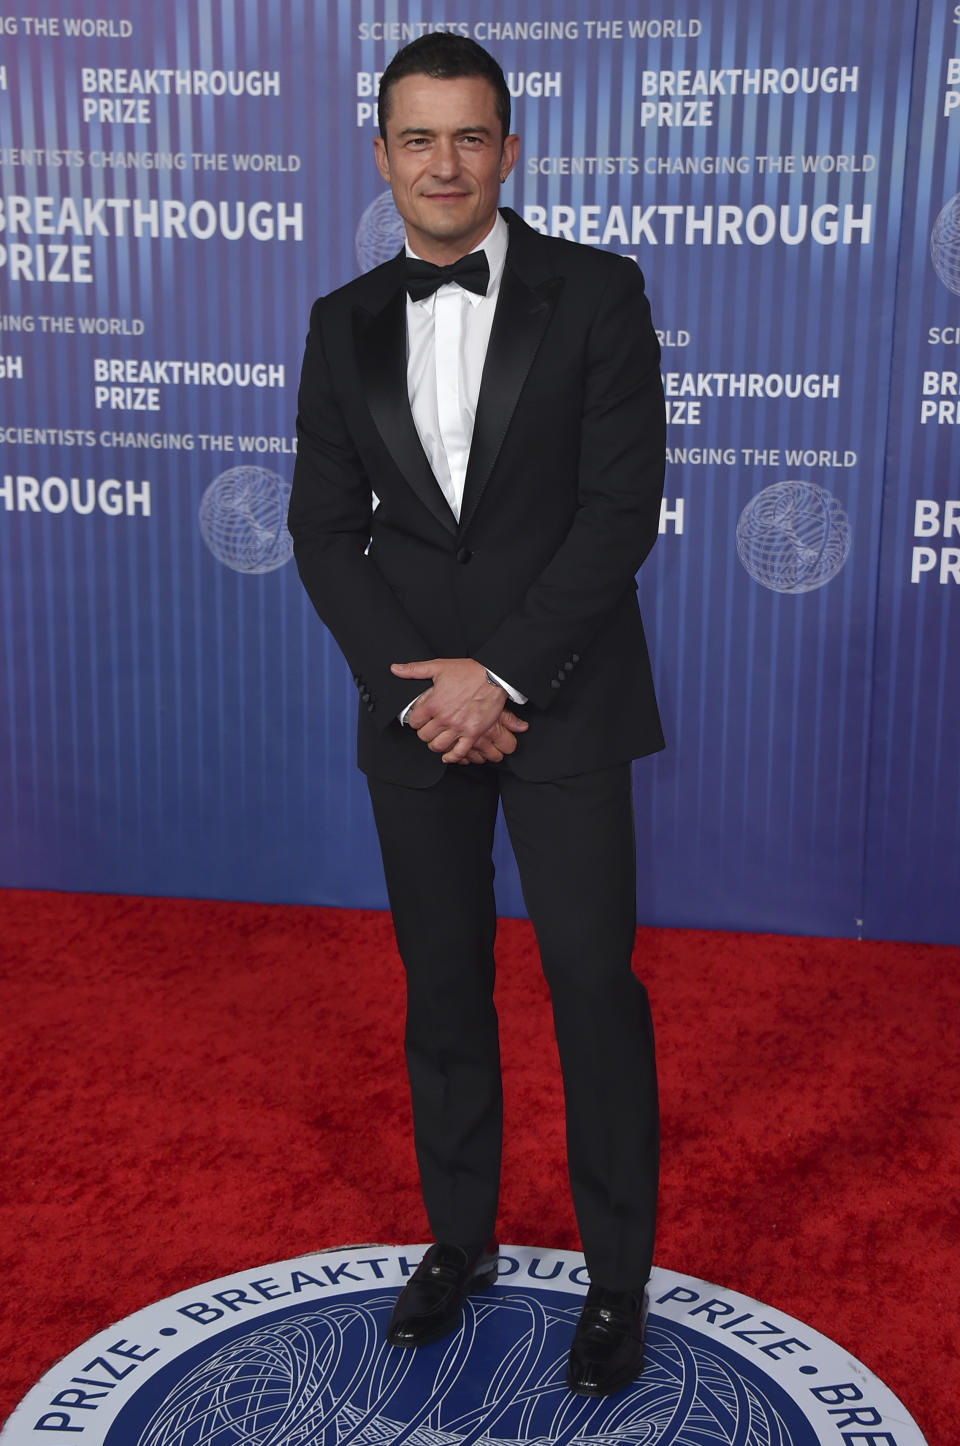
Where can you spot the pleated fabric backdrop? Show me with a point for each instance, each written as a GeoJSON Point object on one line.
{"type": "Point", "coordinates": [179, 183]}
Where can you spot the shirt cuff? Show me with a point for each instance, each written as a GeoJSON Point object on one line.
{"type": "Point", "coordinates": [403, 715]}
{"type": "Point", "coordinates": [511, 693]}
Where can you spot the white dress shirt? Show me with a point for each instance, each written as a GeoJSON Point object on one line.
{"type": "Point", "coordinates": [447, 337]}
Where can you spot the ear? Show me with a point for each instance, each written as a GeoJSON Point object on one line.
{"type": "Point", "coordinates": [508, 155]}
{"type": "Point", "coordinates": [380, 152]}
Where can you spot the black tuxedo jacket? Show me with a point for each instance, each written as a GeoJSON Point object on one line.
{"type": "Point", "coordinates": [561, 505]}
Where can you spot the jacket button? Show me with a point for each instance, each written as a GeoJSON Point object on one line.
{"type": "Point", "coordinates": [568, 667]}
{"type": "Point", "coordinates": [369, 707]}
{"type": "Point", "coordinates": [464, 554]}
{"type": "Point", "coordinates": [574, 657]}
{"type": "Point", "coordinates": [554, 683]}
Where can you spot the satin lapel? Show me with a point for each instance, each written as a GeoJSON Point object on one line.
{"type": "Point", "coordinates": [518, 327]}
{"type": "Point", "coordinates": [381, 347]}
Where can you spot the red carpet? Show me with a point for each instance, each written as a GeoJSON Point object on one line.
{"type": "Point", "coordinates": [195, 1088]}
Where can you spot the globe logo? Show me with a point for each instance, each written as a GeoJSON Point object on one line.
{"type": "Point", "coordinates": [945, 245]}
{"type": "Point", "coordinates": [323, 1374]}
{"type": "Point", "coordinates": [380, 233]}
{"type": "Point", "coordinates": [243, 519]}
{"type": "Point", "coordinates": [793, 537]}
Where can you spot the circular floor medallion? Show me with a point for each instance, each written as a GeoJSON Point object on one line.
{"type": "Point", "coordinates": [293, 1355]}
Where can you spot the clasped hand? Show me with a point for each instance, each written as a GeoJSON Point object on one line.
{"type": "Point", "coordinates": [462, 715]}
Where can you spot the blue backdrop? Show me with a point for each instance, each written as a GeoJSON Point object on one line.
{"type": "Point", "coordinates": [179, 182]}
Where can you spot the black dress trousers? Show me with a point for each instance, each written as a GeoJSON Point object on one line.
{"type": "Point", "coordinates": [574, 844]}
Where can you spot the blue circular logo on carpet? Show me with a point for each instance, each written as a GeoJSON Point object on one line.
{"type": "Point", "coordinates": [294, 1355]}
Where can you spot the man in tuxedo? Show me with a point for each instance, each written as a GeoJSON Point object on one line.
{"type": "Point", "coordinates": [478, 479]}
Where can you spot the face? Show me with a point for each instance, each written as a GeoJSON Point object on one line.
{"type": "Point", "coordinates": [445, 159]}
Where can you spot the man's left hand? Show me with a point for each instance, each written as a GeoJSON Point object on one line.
{"type": "Point", "coordinates": [458, 710]}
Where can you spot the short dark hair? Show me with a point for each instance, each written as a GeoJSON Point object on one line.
{"type": "Point", "coordinates": [444, 56]}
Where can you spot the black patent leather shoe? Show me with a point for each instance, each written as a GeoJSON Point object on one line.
{"type": "Point", "coordinates": [431, 1302]}
{"type": "Point", "coordinates": [607, 1350]}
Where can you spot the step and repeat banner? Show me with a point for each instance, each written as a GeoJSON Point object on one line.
{"type": "Point", "coordinates": [913, 818]}
{"type": "Point", "coordinates": [180, 182]}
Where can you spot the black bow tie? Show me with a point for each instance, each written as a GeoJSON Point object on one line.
{"type": "Point", "coordinates": [472, 272]}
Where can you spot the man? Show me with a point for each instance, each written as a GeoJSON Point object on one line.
{"type": "Point", "coordinates": [508, 416]}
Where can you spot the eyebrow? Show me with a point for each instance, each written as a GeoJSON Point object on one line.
{"type": "Point", "coordinates": [460, 131]}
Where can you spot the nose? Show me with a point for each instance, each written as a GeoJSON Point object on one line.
{"type": "Point", "coordinates": [445, 158]}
